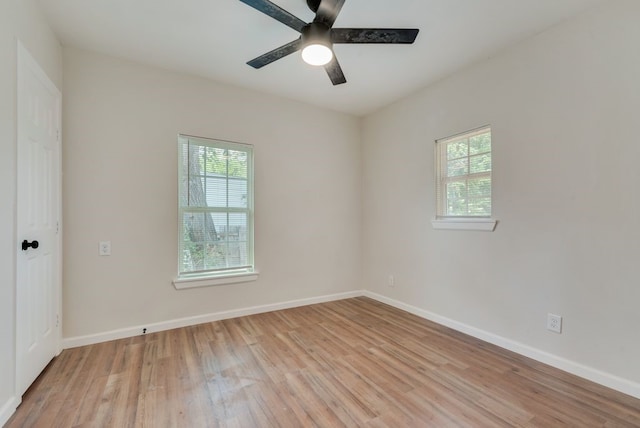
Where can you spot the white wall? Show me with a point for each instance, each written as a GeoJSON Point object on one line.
{"type": "Point", "coordinates": [564, 111]}
{"type": "Point", "coordinates": [121, 122]}
{"type": "Point", "coordinates": [19, 19]}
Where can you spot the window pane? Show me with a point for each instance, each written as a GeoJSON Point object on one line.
{"type": "Point", "coordinates": [238, 164]}
{"type": "Point", "coordinates": [216, 161]}
{"type": "Point", "coordinates": [237, 193]}
{"type": "Point", "coordinates": [198, 227]}
{"type": "Point", "coordinates": [458, 149]}
{"type": "Point", "coordinates": [480, 163]}
{"type": "Point", "coordinates": [238, 227]}
{"type": "Point", "coordinates": [479, 187]}
{"type": "Point", "coordinates": [216, 191]}
{"type": "Point", "coordinates": [183, 187]}
{"type": "Point", "coordinates": [480, 206]}
{"type": "Point", "coordinates": [480, 143]}
{"type": "Point", "coordinates": [184, 173]}
{"type": "Point", "coordinates": [237, 253]}
{"type": "Point", "coordinates": [215, 256]}
{"type": "Point", "coordinates": [194, 170]}
{"type": "Point", "coordinates": [214, 241]}
{"type": "Point", "coordinates": [457, 167]}
{"type": "Point", "coordinates": [456, 190]}
{"type": "Point", "coordinates": [456, 207]}
{"type": "Point", "coordinates": [220, 222]}
{"type": "Point", "coordinates": [194, 237]}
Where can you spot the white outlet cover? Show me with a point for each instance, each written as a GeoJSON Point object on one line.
{"type": "Point", "coordinates": [554, 323]}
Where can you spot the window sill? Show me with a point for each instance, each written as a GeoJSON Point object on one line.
{"type": "Point", "coordinates": [479, 224]}
{"type": "Point", "coordinates": [207, 281]}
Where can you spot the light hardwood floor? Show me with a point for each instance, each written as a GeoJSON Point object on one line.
{"type": "Point", "coordinates": [354, 362]}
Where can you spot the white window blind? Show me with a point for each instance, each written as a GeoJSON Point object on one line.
{"type": "Point", "coordinates": [463, 174]}
{"type": "Point", "coordinates": [215, 207]}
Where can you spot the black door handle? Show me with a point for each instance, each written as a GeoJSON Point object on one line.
{"type": "Point", "coordinates": [26, 244]}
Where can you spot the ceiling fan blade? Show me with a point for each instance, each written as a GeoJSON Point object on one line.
{"type": "Point", "coordinates": [335, 72]}
{"type": "Point", "coordinates": [374, 35]}
{"type": "Point", "coordinates": [277, 13]}
{"type": "Point", "coordinates": [276, 54]}
{"type": "Point", "coordinates": [328, 11]}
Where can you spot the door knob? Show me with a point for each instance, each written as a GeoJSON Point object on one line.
{"type": "Point", "coordinates": [26, 244]}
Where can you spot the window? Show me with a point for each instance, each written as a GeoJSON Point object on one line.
{"type": "Point", "coordinates": [463, 176]}
{"type": "Point", "coordinates": [215, 208]}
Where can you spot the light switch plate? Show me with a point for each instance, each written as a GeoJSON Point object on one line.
{"type": "Point", "coordinates": [105, 248]}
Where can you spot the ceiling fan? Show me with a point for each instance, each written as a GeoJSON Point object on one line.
{"type": "Point", "coordinates": [317, 37]}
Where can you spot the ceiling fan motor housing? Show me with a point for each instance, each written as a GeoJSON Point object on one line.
{"type": "Point", "coordinates": [316, 33]}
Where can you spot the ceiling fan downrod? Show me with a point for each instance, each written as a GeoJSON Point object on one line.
{"type": "Point", "coordinates": [313, 5]}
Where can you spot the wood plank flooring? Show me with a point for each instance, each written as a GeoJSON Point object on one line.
{"type": "Point", "coordinates": [354, 362]}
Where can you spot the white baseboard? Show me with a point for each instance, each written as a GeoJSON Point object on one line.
{"type": "Point", "coordinates": [74, 342]}
{"type": "Point", "coordinates": [611, 381]}
{"type": "Point", "coordinates": [8, 409]}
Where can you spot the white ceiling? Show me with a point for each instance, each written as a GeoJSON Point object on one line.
{"type": "Point", "coordinates": [215, 39]}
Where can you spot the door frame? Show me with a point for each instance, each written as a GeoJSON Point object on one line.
{"type": "Point", "coordinates": [27, 63]}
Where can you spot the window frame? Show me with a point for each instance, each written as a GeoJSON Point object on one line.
{"type": "Point", "coordinates": [442, 219]}
{"type": "Point", "coordinates": [229, 275]}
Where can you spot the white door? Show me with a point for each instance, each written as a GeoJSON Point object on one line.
{"type": "Point", "coordinates": [38, 276]}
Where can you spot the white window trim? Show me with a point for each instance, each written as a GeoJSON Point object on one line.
{"type": "Point", "coordinates": [464, 223]}
{"type": "Point", "coordinates": [186, 282]}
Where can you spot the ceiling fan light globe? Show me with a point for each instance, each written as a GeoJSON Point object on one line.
{"type": "Point", "coordinates": [317, 54]}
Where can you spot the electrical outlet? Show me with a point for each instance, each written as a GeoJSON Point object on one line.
{"type": "Point", "coordinates": [391, 281]}
{"type": "Point", "coordinates": [554, 323]}
{"type": "Point", "coordinates": [105, 248]}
